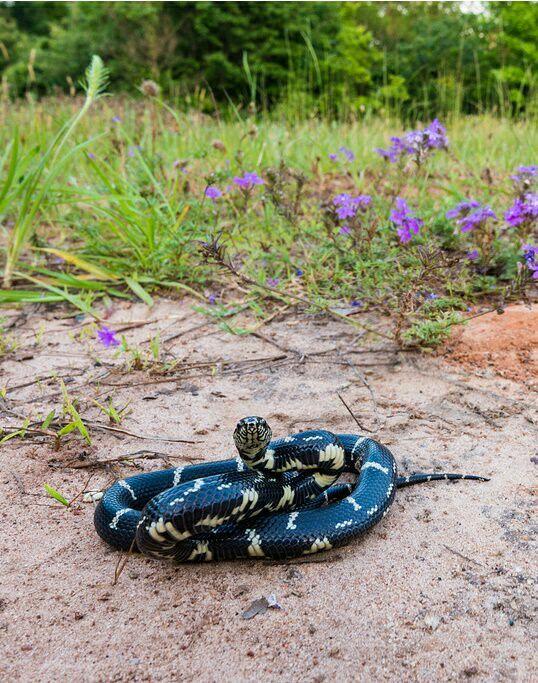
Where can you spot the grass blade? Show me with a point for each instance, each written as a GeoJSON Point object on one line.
{"type": "Point", "coordinates": [56, 495]}
{"type": "Point", "coordinates": [139, 291]}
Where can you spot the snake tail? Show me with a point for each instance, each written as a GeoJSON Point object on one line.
{"type": "Point", "coordinates": [423, 477]}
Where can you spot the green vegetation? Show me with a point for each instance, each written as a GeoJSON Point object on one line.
{"type": "Point", "coordinates": [417, 60]}
{"type": "Point", "coordinates": [140, 198]}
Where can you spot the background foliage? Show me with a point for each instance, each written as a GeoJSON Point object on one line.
{"type": "Point", "coordinates": [412, 59]}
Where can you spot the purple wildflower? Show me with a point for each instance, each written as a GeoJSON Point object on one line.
{"type": "Point", "coordinates": [524, 179]}
{"type": "Point", "coordinates": [107, 337]}
{"type": "Point", "coordinates": [343, 151]}
{"type": "Point", "coordinates": [356, 304]}
{"type": "Point", "coordinates": [272, 281]}
{"type": "Point", "coordinates": [476, 219]}
{"type": "Point", "coordinates": [436, 133]}
{"type": "Point", "coordinates": [397, 149]}
{"type": "Point", "coordinates": [473, 255]}
{"type": "Point", "coordinates": [248, 180]}
{"type": "Point", "coordinates": [132, 149]}
{"type": "Point", "coordinates": [91, 155]}
{"type": "Point", "coordinates": [530, 254]}
{"type": "Point", "coordinates": [345, 230]}
{"type": "Point", "coordinates": [347, 206]}
{"type": "Point", "coordinates": [347, 153]}
{"type": "Point", "coordinates": [212, 192]}
{"type": "Point", "coordinates": [341, 199]}
{"type": "Point", "coordinates": [462, 209]}
{"type": "Point", "coordinates": [212, 299]}
{"type": "Point", "coordinates": [524, 210]}
{"type": "Point", "coordinates": [346, 211]}
{"type": "Point", "coordinates": [116, 119]}
{"type": "Point", "coordinates": [525, 173]}
{"type": "Point", "coordinates": [417, 142]}
{"type": "Point", "coordinates": [406, 222]}
{"type": "Point", "coordinates": [470, 215]}
{"type": "Point", "coordinates": [299, 272]}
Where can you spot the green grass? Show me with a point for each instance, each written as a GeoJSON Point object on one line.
{"type": "Point", "coordinates": [124, 212]}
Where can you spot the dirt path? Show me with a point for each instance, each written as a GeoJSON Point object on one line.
{"type": "Point", "coordinates": [441, 590]}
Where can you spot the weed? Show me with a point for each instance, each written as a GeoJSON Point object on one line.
{"type": "Point", "coordinates": [308, 214]}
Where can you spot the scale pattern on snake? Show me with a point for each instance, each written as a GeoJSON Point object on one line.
{"type": "Point", "coordinates": [278, 500]}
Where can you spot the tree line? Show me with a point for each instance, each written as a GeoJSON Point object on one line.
{"type": "Point", "coordinates": [331, 58]}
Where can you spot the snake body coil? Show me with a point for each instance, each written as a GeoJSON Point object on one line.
{"type": "Point", "coordinates": [278, 500]}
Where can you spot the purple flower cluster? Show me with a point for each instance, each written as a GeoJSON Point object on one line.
{"type": "Point", "coordinates": [345, 152]}
{"type": "Point", "coordinates": [107, 337]}
{"type": "Point", "coordinates": [525, 174]}
{"type": "Point", "coordinates": [524, 179]}
{"type": "Point", "coordinates": [416, 142]}
{"type": "Point", "coordinates": [406, 222]}
{"type": "Point", "coordinates": [524, 211]}
{"type": "Point", "coordinates": [347, 206]}
{"type": "Point", "coordinates": [530, 254]}
{"type": "Point", "coordinates": [470, 215]}
{"type": "Point", "coordinates": [462, 209]}
{"type": "Point", "coordinates": [212, 192]}
{"type": "Point", "coordinates": [248, 180]}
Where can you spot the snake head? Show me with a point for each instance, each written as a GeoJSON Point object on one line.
{"type": "Point", "coordinates": [252, 436]}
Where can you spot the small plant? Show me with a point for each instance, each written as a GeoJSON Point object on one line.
{"type": "Point", "coordinates": [53, 493]}
{"type": "Point", "coordinates": [76, 422]}
{"type": "Point", "coordinates": [8, 342]}
{"type": "Point", "coordinates": [155, 347]}
{"type": "Point", "coordinates": [38, 180]}
{"type": "Point", "coordinates": [430, 333]}
{"type": "Point", "coordinates": [115, 415]}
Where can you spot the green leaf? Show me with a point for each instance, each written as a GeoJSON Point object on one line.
{"type": "Point", "coordinates": [139, 291]}
{"type": "Point", "coordinates": [50, 417]}
{"type": "Point", "coordinates": [20, 432]}
{"type": "Point", "coordinates": [81, 263]}
{"type": "Point", "coordinates": [56, 495]}
{"type": "Point", "coordinates": [67, 429]}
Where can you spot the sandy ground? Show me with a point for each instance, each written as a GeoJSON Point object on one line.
{"type": "Point", "coordinates": [441, 590]}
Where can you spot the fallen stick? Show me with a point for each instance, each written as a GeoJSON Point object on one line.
{"type": "Point", "coordinates": [118, 430]}
{"type": "Point", "coordinates": [354, 416]}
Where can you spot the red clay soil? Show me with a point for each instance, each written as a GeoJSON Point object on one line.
{"type": "Point", "coordinates": [506, 344]}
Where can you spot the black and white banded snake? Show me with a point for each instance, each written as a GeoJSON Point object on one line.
{"type": "Point", "coordinates": [278, 500]}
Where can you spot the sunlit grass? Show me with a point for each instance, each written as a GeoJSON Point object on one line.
{"type": "Point", "coordinates": [119, 209]}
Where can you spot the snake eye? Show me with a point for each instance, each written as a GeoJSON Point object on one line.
{"type": "Point", "coordinates": [251, 435]}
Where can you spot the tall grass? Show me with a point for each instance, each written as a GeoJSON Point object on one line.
{"type": "Point", "coordinates": [39, 172]}
{"type": "Point", "coordinates": [121, 211]}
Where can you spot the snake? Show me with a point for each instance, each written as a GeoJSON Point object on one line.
{"type": "Point", "coordinates": [279, 499]}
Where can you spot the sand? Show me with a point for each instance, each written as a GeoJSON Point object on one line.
{"type": "Point", "coordinates": [441, 590]}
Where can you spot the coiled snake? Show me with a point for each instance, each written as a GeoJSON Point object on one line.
{"type": "Point", "coordinates": [278, 500]}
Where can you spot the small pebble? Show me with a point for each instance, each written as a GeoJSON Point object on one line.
{"type": "Point", "coordinates": [432, 621]}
